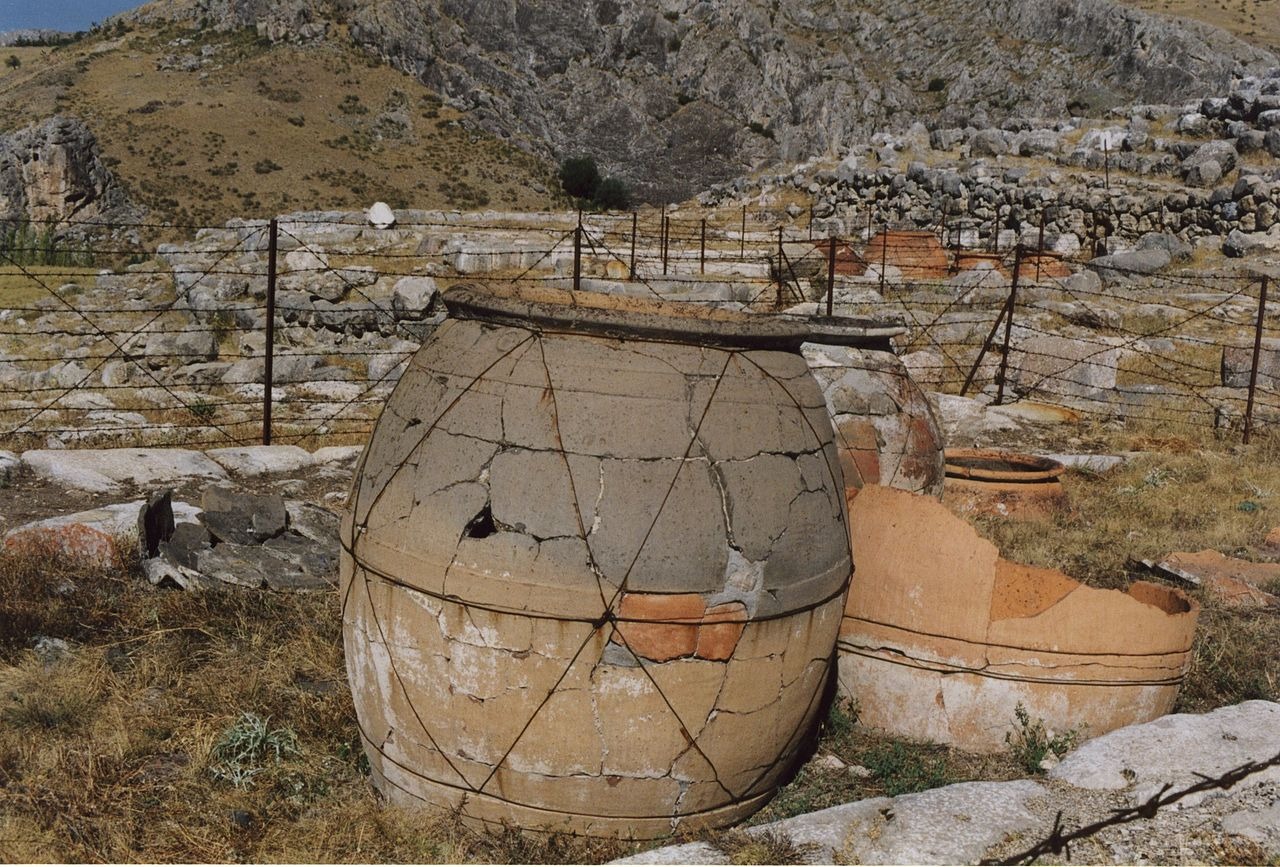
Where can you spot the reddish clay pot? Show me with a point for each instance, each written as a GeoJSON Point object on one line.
{"type": "Point", "coordinates": [1008, 484]}
{"type": "Point", "coordinates": [917, 254]}
{"type": "Point", "coordinates": [974, 260]}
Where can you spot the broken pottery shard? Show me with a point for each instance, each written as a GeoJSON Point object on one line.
{"type": "Point", "coordinates": [254, 566]}
{"type": "Point", "coordinates": [593, 564]}
{"type": "Point", "coordinates": [155, 522]}
{"type": "Point", "coordinates": [1233, 582]}
{"type": "Point", "coordinates": [942, 639]}
{"type": "Point", "coordinates": [885, 429]}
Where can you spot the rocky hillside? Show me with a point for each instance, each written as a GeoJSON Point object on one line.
{"type": "Point", "coordinates": [53, 171]}
{"type": "Point", "coordinates": [694, 91]}
{"type": "Point", "coordinates": [196, 126]}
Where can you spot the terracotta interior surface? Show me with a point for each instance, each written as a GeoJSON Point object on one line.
{"type": "Point", "coordinates": [917, 254]}
{"type": "Point", "coordinates": [996, 465]}
{"type": "Point", "coordinates": [848, 262]}
{"type": "Point", "coordinates": [592, 584]}
{"type": "Point", "coordinates": [885, 429]}
{"type": "Point", "coordinates": [1003, 483]}
{"type": "Point", "coordinates": [1043, 265]}
{"type": "Point", "coordinates": [973, 260]}
{"type": "Point", "coordinates": [942, 639]}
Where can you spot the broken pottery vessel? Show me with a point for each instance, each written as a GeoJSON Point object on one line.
{"type": "Point", "coordinates": [942, 639]}
{"type": "Point", "coordinates": [885, 429]}
{"type": "Point", "coordinates": [595, 563]}
{"type": "Point", "coordinates": [1007, 484]}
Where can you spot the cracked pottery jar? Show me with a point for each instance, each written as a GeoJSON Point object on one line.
{"type": "Point", "coordinates": [594, 563]}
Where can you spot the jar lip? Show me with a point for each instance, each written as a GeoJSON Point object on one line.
{"type": "Point", "coordinates": [627, 316]}
{"type": "Point", "coordinates": [1000, 465]}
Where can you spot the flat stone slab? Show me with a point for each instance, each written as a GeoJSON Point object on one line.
{"type": "Point", "coordinates": [1177, 749]}
{"type": "Point", "coordinates": [1089, 463]}
{"type": "Point", "coordinates": [99, 536]}
{"type": "Point", "coordinates": [685, 853]}
{"type": "Point", "coordinates": [342, 455]}
{"type": "Point", "coordinates": [260, 460]}
{"type": "Point", "coordinates": [106, 470]}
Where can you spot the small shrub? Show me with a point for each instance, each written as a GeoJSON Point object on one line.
{"type": "Point", "coordinates": [279, 94]}
{"type": "Point", "coordinates": [12, 61]}
{"type": "Point", "coordinates": [1031, 743]}
{"type": "Point", "coordinates": [901, 771]}
{"type": "Point", "coordinates": [760, 129]}
{"type": "Point", "coordinates": [244, 748]}
{"type": "Point", "coordinates": [351, 105]}
{"type": "Point", "coordinates": [762, 847]}
{"type": "Point", "coordinates": [203, 410]}
{"type": "Point", "coordinates": [266, 167]}
{"type": "Point", "coordinates": [612, 195]}
{"type": "Point", "coordinates": [579, 177]}
{"type": "Point", "coordinates": [297, 120]}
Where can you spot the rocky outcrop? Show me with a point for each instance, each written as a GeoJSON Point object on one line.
{"type": "Point", "coordinates": [679, 97]}
{"type": "Point", "coordinates": [53, 170]}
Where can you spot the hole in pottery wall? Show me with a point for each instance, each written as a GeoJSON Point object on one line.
{"type": "Point", "coordinates": [481, 526]}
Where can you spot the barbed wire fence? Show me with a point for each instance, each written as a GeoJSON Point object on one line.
{"type": "Point", "coordinates": [294, 330]}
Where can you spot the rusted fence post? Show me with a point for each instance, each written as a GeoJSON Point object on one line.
{"type": "Point", "coordinates": [577, 256]}
{"type": "Point", "coordinates": [742, 242]}
{"type": "Point", "coordinates": [1257, 354]}
{"type": "Point", "coordinates": [811, 221]}
{"type": "Point", "coordinates": [1040, 245]}
{"type": "Point", "coordinates": [1106, 162]}
{"type": "Point", "coordinates": [884, 253]}
{"type": "Point", "coordinates": [1008, 323]}
{"type": "Point", "coordinates": [779, 268]}
{"type": "Point", "coordinates": [632, 273]}
{"type": "Point", "coordinates": [666, 234]}
{"type": "Point", "coordinates": [995, 230]}
{"type": "Point", "coordinates": [268, 372]}
{"type": "Point", "coordinates": [831, 274]}
{"type": "Point", "coordinates": [702, 249]}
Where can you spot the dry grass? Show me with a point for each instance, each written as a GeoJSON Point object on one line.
{"type": "Point", "coordinates": [1187, 491]}
{"type": "Point", "coordinates": [105, 754]}
{"type": "Point", "coordinates": [19, 287]}
{"type": "Point", "coordinates": [1256, 21]}
{"type": "Point", "coordinates": [260, 130]}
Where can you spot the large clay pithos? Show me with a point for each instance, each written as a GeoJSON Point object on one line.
{"type": "Point", "coordinates": [942, 639]}
{"type": "Point", "coordinates": [594, 564]}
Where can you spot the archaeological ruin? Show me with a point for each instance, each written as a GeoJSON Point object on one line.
{"type": "Point", "coordinates": [595, 562]}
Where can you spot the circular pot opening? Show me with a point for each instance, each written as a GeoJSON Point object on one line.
{"type": "Point", "coordinates": [995, 465]}
{"type": "Point", "coordinates": [629, 317]}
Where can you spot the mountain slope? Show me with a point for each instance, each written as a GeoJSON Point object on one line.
{"type": "Point", "coordinates": [687, 92]}
{"type": "Point", "coordinates": [201, 126]}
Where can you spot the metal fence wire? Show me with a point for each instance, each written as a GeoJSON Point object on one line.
{"type": "Point", "coordinates": [296, 328]}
